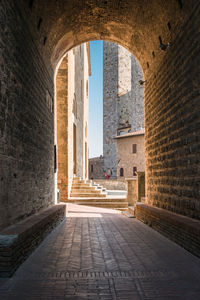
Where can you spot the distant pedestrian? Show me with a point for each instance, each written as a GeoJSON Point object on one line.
{"type": "Point", "coordinates": [109, 173]}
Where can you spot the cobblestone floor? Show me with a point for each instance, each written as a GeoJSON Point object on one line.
{"type": "Point", "coordinates": [99, 254]}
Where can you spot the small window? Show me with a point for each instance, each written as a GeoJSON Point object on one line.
{"type": "Point", "coordinates": [92, 168]}
{"type": "Point", "coordinates": [134, 148]}
{"type": "Point", "coordinates": [121, 132]}
{"type": "Point", "coordinates": [134, 171]}
{"type": "Point", "coordinates": [121, 172]}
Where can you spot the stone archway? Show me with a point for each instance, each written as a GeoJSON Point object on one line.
{"type": "Point", "coordinates": [163, 36]}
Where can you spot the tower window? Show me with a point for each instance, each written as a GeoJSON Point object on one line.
{"type": "Point", "coordinates": [121, 172]}
{"type": "Point", "coordinates": [92, 168]}
{"type": "Point", "coordinates": [134, 148]}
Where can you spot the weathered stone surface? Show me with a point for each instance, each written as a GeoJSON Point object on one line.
{"type": "Point", "coordinates": [63, 133]}
{"type": "Point", "coordinates": [180, 229]}
{"type": "Point", "coordinates": [18, 241]}
{"type": "Point", "coordinates": [96, 168]}
{"type": "Point", "coordinates": [172, 125]}
{"type": "Point", "coordinates": [123, 99]}
{"type": "Point", "coordinates": [72, 110]}
{"type": "Point", "coordinates": [26, 121]}
{"type": "Point", "coordinates": [112, 184]}
{"type": "Point", "coordinates": [99, 254]}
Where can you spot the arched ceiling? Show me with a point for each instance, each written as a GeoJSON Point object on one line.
{"type": "Point", "coordinates": [135, 24]}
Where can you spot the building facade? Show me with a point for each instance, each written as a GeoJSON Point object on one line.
{"type": "Point", "coordinates": [72, 117]}
{"type": "Point", "coordinates": [123, 100]}
{"type": "Point", "coordinates": [130, 154]}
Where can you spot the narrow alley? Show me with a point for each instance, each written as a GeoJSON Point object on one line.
{"type": "Point", "coordinates": [97, 253]}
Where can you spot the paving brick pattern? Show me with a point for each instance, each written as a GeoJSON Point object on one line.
{"type": "Point", "coordinates": [99, 254]}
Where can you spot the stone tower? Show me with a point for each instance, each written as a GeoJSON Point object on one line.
{"type": "Point", "coordinates": [123, 99]}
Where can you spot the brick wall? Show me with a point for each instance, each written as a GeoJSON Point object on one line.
{"type": "Point", "coordinates": [18, 241]}
{"type": "Point", "coordinates": [172, 110]}
{"type": "Point", "coordinates": [26, 122]}
{"type": "Point", "coordinates": [180, 229]}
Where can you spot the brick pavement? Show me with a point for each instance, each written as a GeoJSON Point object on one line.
{"type": "Point", "coordinates": [99, 254]}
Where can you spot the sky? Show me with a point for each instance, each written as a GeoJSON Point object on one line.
{"type": "Point", "coordinates": [96, 100]}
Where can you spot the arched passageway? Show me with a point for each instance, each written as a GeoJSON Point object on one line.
{"type": "Point", "coordinates": [163, 36]}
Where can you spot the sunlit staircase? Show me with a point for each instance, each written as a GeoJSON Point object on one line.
{"type": "Point", "coordinates": [87, 192]}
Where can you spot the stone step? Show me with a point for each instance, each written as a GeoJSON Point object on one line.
{"type": "Point", "coordinates": [121, 209]}
{"type": "Point", "coordinates": [79, 185]}
{"type": "Point", "coordinates": [117, 205]}
{"type": "Point", "coordinates": [96, 184]}
{"type": "Point", "coordinates": [97, 199]}
{"type": "Point", "coordinates": [79, 180]}
{"type": "Point", "coordinates": [87, 195]}
{"type": "Point", "coordinates": [82, 186]}
{"type": "Point", "coordinates": [131, 210]}
{"type": "Point", "coordinates": [127, 214]}
{"type": "Point", "coordinates": [83, 190]}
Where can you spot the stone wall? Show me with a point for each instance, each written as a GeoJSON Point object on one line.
{"type": "Point", "coordinates": [172, 126]}
{"type": "Point", "coordinates": [96, 168]}
{"type": "Point", "coordinates": [18, 241]}
{"type": "Point", "coordinates": [62, 127]}
{"type": "Point", "coordinates": [72, 109]}
{"type": "Point", "coordinates": [110, 118]}
{"type": "Point", "coordinates": [71, 118]}
{"type": "Point", "coordinates": [131, 186]}
{"type": "Point", "coordinates": [135, 188]}
{"type": "Point", "coordinates": [26, 121]}
{"type": "Point", "coordinates": [79, 94]}
{"type": "Point", "coordinates": [180, 229]}
{"type": "Point", "coordinates": [123, 99]}
{"type": "Point", "coordinates": [112, 184]}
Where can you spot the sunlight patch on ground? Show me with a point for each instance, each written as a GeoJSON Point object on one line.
{"type": "Point", "coordinates": [83, 211]}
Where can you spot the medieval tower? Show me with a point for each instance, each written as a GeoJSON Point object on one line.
{"type": "Point", "coordinates": [123, 100]}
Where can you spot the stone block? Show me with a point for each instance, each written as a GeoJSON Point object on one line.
{"type": "Point", "coordinates": [182, 230]}
{"type": "Point", "coordinates": [18, 241]}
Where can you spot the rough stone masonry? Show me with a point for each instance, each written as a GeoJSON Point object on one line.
{"type": "Point", "coordinates": [123, 99]}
